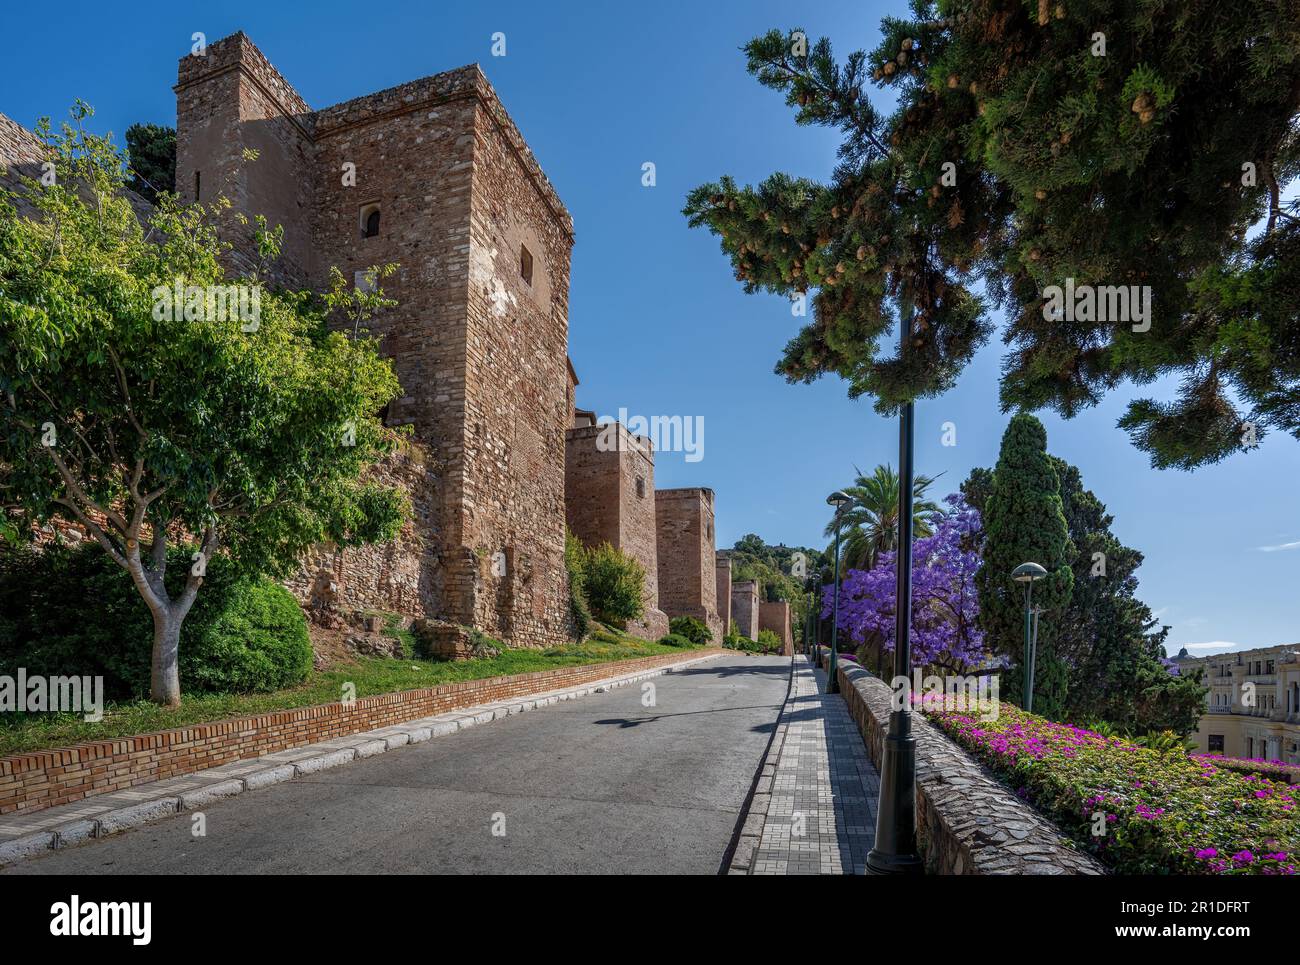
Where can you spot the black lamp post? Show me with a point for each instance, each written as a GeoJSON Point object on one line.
{"type": "Point", "coordinates": [809, 626]}
{"type": "Point", "coordinates": [894, 851]}
{"type": "Point", "coordinates": [1028, 574]}
{"type": "Point", "coordinates": [839, 500]}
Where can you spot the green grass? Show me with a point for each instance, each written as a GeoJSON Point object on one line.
{"type": "Point", "coordinates": [370, 675]}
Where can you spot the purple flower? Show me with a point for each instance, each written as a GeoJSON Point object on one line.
{"type": "Point", "coordinates": [944, 602]}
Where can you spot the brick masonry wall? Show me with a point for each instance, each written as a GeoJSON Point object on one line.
{"type": "Point", "coordinates": [390, 576]}
{"type": "Point", "coordinates": [480, 352]}
{"type": "Point", "coordinates": [609, 498]}
{"type": "Point", "coordinates": [231, 100]}
{"type": "Point", "coordinates": [687, 555]}
{"type": "Point", "coordinates": [744, 608]}
{"type": "Point", "coordinates": [417, 166]}
{"type": "Point", "coordinates": [19, 145]}
{"type": "Point", "coordinates": [21, 154]}
{"type": "Point", "coordinates": [966, 822]}
{"type": "Point", "coordinates": [517, 407]}
{"type": "Point", "coordinates": [775, 616]}
{"type": "Point", "coordinates": [722, 580]}
{"type": "Point", "coordinates": [33, 781]}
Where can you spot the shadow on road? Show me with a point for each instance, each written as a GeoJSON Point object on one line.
{"type": "Point", "coordinates": [651, 718]}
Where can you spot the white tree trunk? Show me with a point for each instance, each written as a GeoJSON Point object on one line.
{"type": "Point", "coordinates": [164, 677]}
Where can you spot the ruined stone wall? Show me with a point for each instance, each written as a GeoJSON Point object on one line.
{"type": "Point", "coordinates": [744, 608]}
{"type": "Point", "coordinates": [687, 556]}
{"type": "Point", "coordinates": [775, 616]}
{"type": "Point", "coordinates": [609, 498]}
{"type": "Point", "coordinates": [722, 580]}
{"type": "Point", "coordinates": [394, 577]}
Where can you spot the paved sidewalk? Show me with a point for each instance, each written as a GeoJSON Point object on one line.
{"type": "Point", "coordinates": [822, 815]}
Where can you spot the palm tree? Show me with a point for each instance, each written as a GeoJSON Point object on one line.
{"type": "Point", "coordinates": [870, 522]}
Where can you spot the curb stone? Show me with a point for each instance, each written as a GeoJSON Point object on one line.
{"type": "Point", "coordinates": [749, 828]}
{"type": "Point", "coordinates": [229, 780]}
{"type": "Point", "coordinates": [135, 815]}
{"type": "Point", "coordinates": [191, 800]}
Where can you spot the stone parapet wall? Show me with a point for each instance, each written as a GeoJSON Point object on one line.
{"type": "Point", "coordinates": [966, 821]}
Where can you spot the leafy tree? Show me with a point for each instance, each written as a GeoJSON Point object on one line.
{"type": "Point", "coordinates": [945, 608]}
{"type": "Point", "coordinates": [869, 524]}
{"type": "Point", "coordinates": [1024, 522]}
{"type": "Point", "coordinates": [250, 433]}
{"type": "Point", "coordinates": [782, 573]}
{"type": "Point", "coordinates": [1096, 142]}
{"type": "Point", "coordinates": [151, 153]}
{"type": "Point", "coordinates": [579, 609]}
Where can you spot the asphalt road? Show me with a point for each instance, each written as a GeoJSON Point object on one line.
{"type": "Point", "coordinates": [596, 785]}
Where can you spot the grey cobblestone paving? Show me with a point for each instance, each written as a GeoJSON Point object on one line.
{"type": "Point", "coordinates": [822, 815]}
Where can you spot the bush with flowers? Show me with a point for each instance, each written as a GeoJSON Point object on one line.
{"type": "Point", "coordinates": [1273, 770]}
{"type": "Point", "coordinates": [1161, 813]}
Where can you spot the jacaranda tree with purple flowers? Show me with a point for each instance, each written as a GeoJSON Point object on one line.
{"type": "Point", "coordinates": [944, 601]}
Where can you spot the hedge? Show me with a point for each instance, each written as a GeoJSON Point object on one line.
{"type": "Point", "coordinates": [74, 611]}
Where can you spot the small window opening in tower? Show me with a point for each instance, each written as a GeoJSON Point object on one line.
{"type": "Point", "coordinates": [525, 265]}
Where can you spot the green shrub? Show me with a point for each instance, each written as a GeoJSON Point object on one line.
{"type": "Point", "coordinates": [737, 642]}
{"type": "Point", "coordinates": [614, 583]}
{"type": "Point", "coordinates": [768, 641]}
{"type": "Point", "coordinates": [694, 630]}
{"type": "Point", "coordinates": [675, 640]}
{"type": "Point", "coordinates": [579, 610]}
{"type": "Point", "coordinates": [74, 611]}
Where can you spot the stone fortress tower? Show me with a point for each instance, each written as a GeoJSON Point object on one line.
{"type": "Point", "coordinates": [445, 186]}
{"type": "Point", "coordinates": [434, 176]}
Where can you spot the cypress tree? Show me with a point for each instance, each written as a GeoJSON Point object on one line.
{"type": "Point", "coordinates": [1024, 522]}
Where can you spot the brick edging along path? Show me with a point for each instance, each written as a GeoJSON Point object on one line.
{"type": "Point", "coordinates": [40, 779]}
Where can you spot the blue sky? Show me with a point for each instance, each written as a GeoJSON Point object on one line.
{"type": "Point", "coordinates": [657, 323]}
